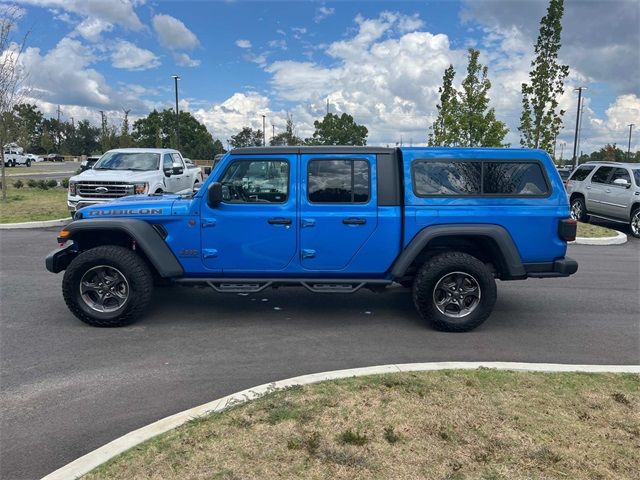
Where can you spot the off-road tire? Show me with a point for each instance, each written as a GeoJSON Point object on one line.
{"type": "Point", "coordinates": [438, 267]}
{"type": "Point", "coordinates": [582, 217]}
{"type": "Point", "coordinates": [133, 268]}
{"type": "Point", "coordinates": [635, 231]}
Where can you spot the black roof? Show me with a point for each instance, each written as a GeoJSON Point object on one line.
{"type": "Point", "coordinates": [325, 149]}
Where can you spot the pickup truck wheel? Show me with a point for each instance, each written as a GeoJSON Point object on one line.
{"type": "Point", "coordinates": [454, 292]}
{"type": "Point", "coordinates": [579, 210]}
{"type": "Point", "coordinates": [107, 286]}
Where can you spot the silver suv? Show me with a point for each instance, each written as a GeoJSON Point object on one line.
{"type": "Point", "coordinates": [608, 190]}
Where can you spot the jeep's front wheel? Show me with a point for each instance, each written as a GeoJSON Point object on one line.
{"type": "Point", "coordinates": [454, 292]}
{"type": "Point", "coordinates": [107, 286]}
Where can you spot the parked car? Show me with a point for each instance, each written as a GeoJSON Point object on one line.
{"type": "Point", "coordinates": [88, 163]}
{"type": "Point", "coordinates": [54, 157]}
{"type": "Point", "coordinates": [446, 222]}
{"type": "Point", "coordinates": [14, 156]}
{"type": "Point", "coordinates": [33, 157]}
{"type": "Point", "coordinates": [608, 190]}
{"type": "Point", "coordinates": [131, 171]}
{"type": "Point", "coordinates": [565, 173]}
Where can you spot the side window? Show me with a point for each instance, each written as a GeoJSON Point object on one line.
{"type": "Point", "coordinates": [620, 173]}
{"type": "Point", "coordinates": [446, 178]}
{"type": "Point", "coordinates": [601, 175]}
{"type": "Point", "coordinates": [581, 173]}
{"type": "Point", "coordinates": [256, 181]}
{"type": "Point", "coordinates": [338, 181]}
{"type": "Point", "coordinates": [513, 178]}
{"type": "Point", "coordinates": [167, 162]}
{"type": "Point", "coordinates": [177, 160]}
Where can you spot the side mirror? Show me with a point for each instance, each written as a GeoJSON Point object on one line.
{"type": "Point", "coordinates": [168, 171]}
{"type": "Point", "coordinates": [207, 170]}
{"type": "Point", "coordinates": [621, 182]}
{"type": "Point", "coordinates": [177, 170]}
{"type": "Point", "coordinates": [214, 194]}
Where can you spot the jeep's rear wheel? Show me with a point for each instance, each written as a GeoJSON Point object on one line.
{"type": "Point", "coordinates": [454, 292]}
{"type": "Point", "coordinates": [579, 210]}
{"type": "Point", "coordinates": [107, 286]}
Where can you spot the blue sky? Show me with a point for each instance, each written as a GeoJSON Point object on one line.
{"type": "Point", "coordinates": [381, 61]}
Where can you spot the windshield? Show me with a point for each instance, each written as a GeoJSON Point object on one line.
{"type": "Point", "coordinates": [128, 161]}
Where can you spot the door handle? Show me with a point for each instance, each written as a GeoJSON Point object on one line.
{"type": "Point", "coordinates": [354, 221]}
{"type": "Point", "coordinates": [588, 188]}
{"type": "Point", "coordinates": [279, 221]}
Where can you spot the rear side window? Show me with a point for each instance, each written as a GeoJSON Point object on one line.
{"type": "Point", "coordinates": [601, 175]}
{"type": "Point", "coordinates": [338, 181]}
{"type": "Point", "coordinates": [446, 178]}
{"type": "Point", "coordinates": [513, 178]}
{"type": "Point", "coordinates": [581, 173]}
{"type": "Point", "coordinates": [620, 173]}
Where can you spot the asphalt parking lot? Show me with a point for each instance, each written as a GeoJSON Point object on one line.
{"type": "Point", "coordinates": [68, 388]}
{"type": "Point", "coordinates": [43, 170]}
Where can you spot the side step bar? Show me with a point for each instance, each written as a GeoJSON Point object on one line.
{"type": "Point", "coordinates": [254, 285]}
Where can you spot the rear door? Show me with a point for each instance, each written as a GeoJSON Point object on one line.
{"type": "Point", "coordinates": [595, 190]}
{"type": "Point", "coordinates": [616, 200]}
{"type": "Point", "coordinates": [254, 230]}
{"type": "Point", "coordinates": [338, 209]}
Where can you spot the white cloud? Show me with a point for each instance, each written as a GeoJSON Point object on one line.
{"type": "Point", "coordinates": [323, 12]}
{"type": "Point", "coordinates": [241, 43]}
{"type": "Point", "coordinates": [128, 56]}
{"type": "Point", "coordinates": [185, 60]}
{"type": "Point", "coordinates": [92, 28]}
{"type": "Point", "coordinates": [280, 43]}
{"type": "Point", "coordinates": [117, 12]}
{"type": "Point", "coordinates": [174, 34]}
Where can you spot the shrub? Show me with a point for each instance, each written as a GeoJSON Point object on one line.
{"type": "Point", "coordinates": [65, 183]}
{"type": "Point", "coordinates": [32, 183]}
{"type": "Point", "coordinates": [43, 185]}
{"type": "Point", "coordinates": [353, 438]}
{"type": "Point", "coordinates": [18, 184]}
{"type": "Point", "coordinates": [52, 183]}
{"type": "Point", "coordinates": [390, 435]}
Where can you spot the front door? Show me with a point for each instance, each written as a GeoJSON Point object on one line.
{"type": "Point", "coordinates": [338, 209]}
{"type": "Point", "coordinates": [254, 230]}
{"type": "Point", "coordinates": [172, 182]}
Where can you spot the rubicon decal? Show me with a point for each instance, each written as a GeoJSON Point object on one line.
{"type": "Point", "coordinates": [133, 211]}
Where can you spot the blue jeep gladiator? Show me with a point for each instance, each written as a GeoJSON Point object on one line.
{"type": "Point", "coordinates": [445, 222]}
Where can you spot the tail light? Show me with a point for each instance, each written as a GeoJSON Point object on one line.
{"type": "Point", "coordinates": [567, 229]}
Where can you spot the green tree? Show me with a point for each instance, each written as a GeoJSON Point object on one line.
{"type": "Point", "coordinates": [338, 130]}
{"type": "Point", "coordinates": [218, 147]}
{"type": "Point", "coordinates": [444, 131]}
{"type": "Point", "coordinates": [125, 138]}
{"type": "Point", "coordinates": [541, 120]}
{"type": "Point", "coordinates": [46, 142]}
{"type": "Point", "coordinates": [288, 137]}
{"type": "Point", "coordinates": [247, 137]}
{"type": "Point", "coordinates": [477, 123]}
{"type": "Point", "coordinates": [29, 126]}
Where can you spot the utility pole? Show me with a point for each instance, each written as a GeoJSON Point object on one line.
{"type": "Point", "coordinates": [631, 125]}
{"type": "Point", "coordinates": [273, 132]}
{"type": "Point", "coordinates": [264, 125]}
{"type": "Point", "coordinates": [327, 105]}
{"type": "Point", "coordinates": [562, 144]}
{"type": "Point", "coordinates": [575, 138]}
{"type": "Point", "coordinates": [580, 128]}
{"type": "Point", "coordinates": [58, 127]}
{"type": "Point", "coordinates": [175, 79]}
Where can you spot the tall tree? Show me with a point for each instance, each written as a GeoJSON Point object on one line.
{"type": "Point", "coordinates": [125, 138]}
{"type": "Point", "coordinates": [444, 131]}
{"type": "Point", "coordinates": [541, 120]}
{"type": "Point", "coordinates": [247, 137]}
{"type": "Point", "coordinates": [477, 123]}
{"type": "Point", "coordinates": [288, 137]}
{"type": "Point", "coordinates": [11, 76]}
{"type": "Point", "coordinates": [338, 130]}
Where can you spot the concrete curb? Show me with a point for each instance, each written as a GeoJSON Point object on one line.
{"type": "Point", "coordinates": [45, 223]}
{"type": "Point", "coordinates": [619, 239]}
{"type": "Point", "coordinates": [93, 459]}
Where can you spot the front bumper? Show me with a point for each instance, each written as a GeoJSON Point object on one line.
{"type": "Point", "coordinates": [75, 205]}
{"type": "Point", "coordinates": [59, 259]}
{"type": "Point", "coordinates": [559, 268]}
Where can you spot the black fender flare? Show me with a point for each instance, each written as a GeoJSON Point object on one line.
{"type": "Point", "coordinates": [511, 256]}
{"type": "Point", "coordinates": [146, 237]}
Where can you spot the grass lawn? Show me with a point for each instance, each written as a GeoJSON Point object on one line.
{"type": "Point", "coordinates": [594, 231]}
{"type": "Point", "coordinates": [482, 424]}
{"type": "Point", "coordinates": [31, 204]}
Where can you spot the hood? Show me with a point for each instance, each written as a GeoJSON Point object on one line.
{"type": "Point", "coordinates": [114, 175]}
{"type": "Point", "coordinates": [135, 206]}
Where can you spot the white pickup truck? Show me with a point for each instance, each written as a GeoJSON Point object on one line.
{"type": "Point", "coordinates": [14, 155]}
{"type": "Point", "coordinates": [132, 171]}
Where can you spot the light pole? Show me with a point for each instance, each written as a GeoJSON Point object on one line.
{"type": "Point", "coordinates": [175, 79]}
{"type": "Point", "coordinates": [264, 125]}
{"type": "Point", "coordinates": [575, 138]}
{"type": "Point", "coordinates": [631, 125]}
{"type": "Point", "coordinates": [562, 144]}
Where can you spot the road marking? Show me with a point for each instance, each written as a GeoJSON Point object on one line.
{"type": "Point", "coordinates": [91, 460]}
